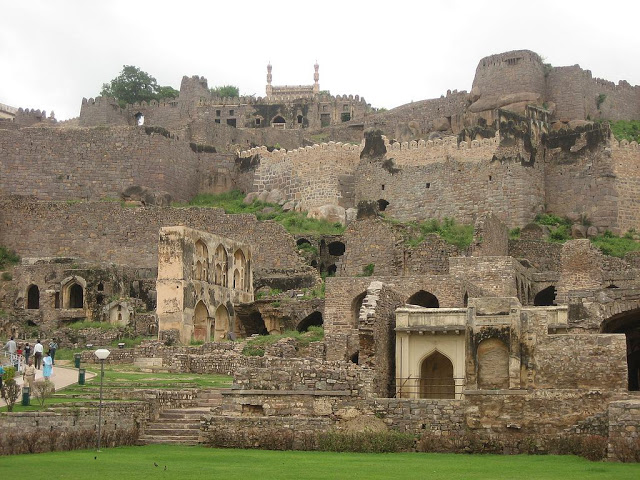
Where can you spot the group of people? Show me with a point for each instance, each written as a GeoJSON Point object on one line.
{"type": "Point", "coordinates": [21, 355]}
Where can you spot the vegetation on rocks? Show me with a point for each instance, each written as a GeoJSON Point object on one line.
{"type": "Point", "coordinates": [626, 130]}
{"type": "Point", "coordinates": [294, 222]}
{"type": "Point", "coordinates": [415, 233]}
{"type": "Point", "coordinates": [256, 346]}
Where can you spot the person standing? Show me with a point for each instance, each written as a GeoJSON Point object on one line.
{"type": "Point", "coordinates": [47, 366]}
{"type": "Point", "coordinates": [29, 374]}
{"type": "Point", "coordinates": [12, 348]}
{"type": "Point", "coordinates": [27, 353]}
{"type": "Point", "coordinates": [37, 354]}
{"type": "Point", "coordinates": [53, 346]}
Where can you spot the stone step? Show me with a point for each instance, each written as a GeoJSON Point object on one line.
{"type": "Point", "coordinates": [174, 425]}
{"type": "Point", "coordinates": [143, 440]}
{"type": "Point", "coordinates": [171, 432]}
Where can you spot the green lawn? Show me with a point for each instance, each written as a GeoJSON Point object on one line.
{"type": "Point", "coordinates": [200, 462]}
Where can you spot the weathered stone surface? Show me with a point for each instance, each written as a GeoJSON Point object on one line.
{"type": "Point", "coordinates": [330, 213]}
{"type": "Point", "coordinates": [441, 124]}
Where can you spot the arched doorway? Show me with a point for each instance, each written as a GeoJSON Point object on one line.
{"type": "Point", "coordinates": [312, 320]}
{"type": "Point", "coordinates": [356, 304]}
{"type": "Point", "coordinates": [221, 327]}
{"type": "Point", "coordinates": [545, 297]}
{"type": "Point", "coordinates": [629, 324]}
{"type": "Point", "coordinates": [33, 297]}
{"type": "Point", "coordinates": [201, 325]}
{"type": "Point", "coordinates": [424, 299]}
{"type": "Point", "coordinates": [76, 296]}
{"type": "Point", "coordinates": [493, 364]}
{"type": "Point", "coordinates": [436, 377]}
{"type": "Point", "coordinates": [278, 122]}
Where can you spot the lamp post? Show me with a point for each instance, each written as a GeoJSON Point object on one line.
{"type": "Point", "coordinates": [102, 354]}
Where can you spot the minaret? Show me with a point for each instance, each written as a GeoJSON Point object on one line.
{"type": "Point", "coordinates": [316, 78]}
{"type": "Point", "coordinates": [269, 88]}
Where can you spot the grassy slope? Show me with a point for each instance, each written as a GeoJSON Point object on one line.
{"type": "Point", "coordinates": [200, 462]}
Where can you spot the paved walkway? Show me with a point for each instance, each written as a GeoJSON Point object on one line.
{"type": "Point", "coordinates": [62, 377]}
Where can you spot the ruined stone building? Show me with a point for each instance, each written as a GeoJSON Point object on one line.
{"type": "Point", "coordinates": [507, 336]}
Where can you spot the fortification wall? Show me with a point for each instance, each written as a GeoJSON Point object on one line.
{"type": "Point", "coordinates": [510, 72]}
{"type": "Point", "coordinates": [107, 232]}
{"type": "Point", "coordinates": [625, 160]}
{"type": "Point", "coordinates": [101, 111]}
{"type": "Point", "coordinates": [423, 181]}
{"type": "Point", "coordinates": [575, 93]}
{"type": "Point", "coordinates": [309, 175]}
{"type": "Point", "coordinates": [64, 164]}
{"type": "Point", "coordinates": [581, 179]}
{"type": "Point", "coordinates": [417, 118]}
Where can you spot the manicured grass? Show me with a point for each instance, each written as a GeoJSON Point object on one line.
{"type": "Point", "coordinates": [200, 462]}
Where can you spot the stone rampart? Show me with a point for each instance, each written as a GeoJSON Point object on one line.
{"type": "Point", "coordinates": [510, 72]}
{"type": "Point", "coordinates": [106, 232]}
{"type": "Point", "coordinates": [625, 160]}
{"type": "Point", "coordinates": [68, 164]}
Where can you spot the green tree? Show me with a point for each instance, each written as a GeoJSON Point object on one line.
{"type": "Point", "coordinates": [133, 85]}
{"type": "Point", "coordinates": [225, 91]}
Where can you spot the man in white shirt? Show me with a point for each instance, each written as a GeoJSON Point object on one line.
{"type": "Point", "coordinates": [37, 354]}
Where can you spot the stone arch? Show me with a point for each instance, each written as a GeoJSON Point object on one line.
{"type": "Point", "coordinates": [302, 241]}
{"type": "Point", "coordinates": [73, 292]}
{"type": "Point", "coordinates": [424, 299]}
{"type": "Point", "coordinates": [436, 377]}
{"type": "Point", "coordinates": [222, 322]}
{"type": "Point", "coordinates": [201, 323]}
{"type": "Point", "coordinates": [254, 324]}
{"type": "Point", "coordinates": [221, 266]}
{"type": "Point", "coordinates": [201, 270]}
{"type": "Point", "coordinates": [278, 122]}
{"type": "Point", "coordinates": [312, 320]}
{"type": "Point", "coordinates": [493, 364]}
{"type": "Point", "coordinates": [356, 305]}
{"type": "Point", "coordinates": [545, 297]}
{"type": "Point", "coordinates": [239, 264]}
{"type": "Point", "coordinates": [139, 118]}
{"type": "Point", "coordinates": [628, 322]}
{"type": "Point", "coordinates": [336, 248]}
{"type": "Point", "coordinates": [33, 297]}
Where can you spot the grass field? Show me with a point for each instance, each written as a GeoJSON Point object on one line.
{"type": "Point", "coordinates": [187, 463]}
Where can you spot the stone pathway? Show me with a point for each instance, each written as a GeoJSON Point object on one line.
{"type": "Point", "coordinates": [62, 377]}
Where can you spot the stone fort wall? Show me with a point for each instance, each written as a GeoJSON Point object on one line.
{"type": "Point", "coordinates": [510, 72]}
{"type": "Point", "coordinates": [454, 180]}
{"type": "Point", "coordinates": [63, 164]}
{"type": "Point", "coordinates": [107, 232]}
{"type": "Point", "coordinates": [309, 175]}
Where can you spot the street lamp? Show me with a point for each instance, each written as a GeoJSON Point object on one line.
{"type": "Point", "coordinates": [102, 354]}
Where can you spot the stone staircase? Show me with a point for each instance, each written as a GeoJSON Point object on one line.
{"type": "Point", "coordinates": [181, 425]}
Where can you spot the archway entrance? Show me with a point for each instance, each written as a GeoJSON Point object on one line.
{"type": "Point", "coordinates": [436, 377]}
{"type": "Point", "coordinates": [424, 299]}
{"type": "Point", "coordinates": [33, 297]}
{"type": "Point", "coordinates": [312, 320]}
{"type": "Point", "coordinates": [201, 326]}
{"type": "Point", "coordinates": [629, 324]}
{"type": "Point", "coordinates": [76, 296]}
{"type": "Point", "coordinates": [222, 323]}
{"type": "Point", "coordinates": [546, 297]}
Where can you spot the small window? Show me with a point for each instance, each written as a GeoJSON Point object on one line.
{"type": "Point", "coordinates": [257, 121]}
{"type": "Point", "coordinates": [299, 118]}
{"type": "Point", "coordinates": [345, 108]}
{"type": "Point", "coordinates": [324, 108]}
{"type": "Point", "coordinates": [231, 122]}
{"type": "Point", "coordinates": [231, 114]}
{"type": "Point", "coordinates": [217, 113]}
{"type": "Point", "coordinates": [427, 185]}
{"type": "Point", "coordinates": [217, 120]}
{"type": "Point", "coordinates": [382, 187]}
{"type": "Point", "coordinates": [489, 177]}
{"type": "Point", "coordinates": [345, 117]}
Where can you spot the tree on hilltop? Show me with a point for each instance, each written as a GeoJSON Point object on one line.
{"type": "Point", "coordinates": [228, 91]}
{"type": "Point", "coordinates": [133, 85]}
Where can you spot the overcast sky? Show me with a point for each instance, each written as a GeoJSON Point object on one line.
{"type": "Point", "coordinates": [53, 53]}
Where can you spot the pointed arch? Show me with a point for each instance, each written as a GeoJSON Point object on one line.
{"type": "Point", "coordinates": [239, 268]}
{"type": "Point", "coordinates": [201, 323]}
{"type": "Point", "coordinates": [545, 297]}
{"type": "Point", "coordinates": [221, 266]}
{"type": "Point", "coordinates": [33, 297]}
{"type": "Point", "coordinates": [72, 289]}
{"type": "Point", "coordinates": [221, 325]}
{"type": "Point", "coordinates": [312, 320]}
{"type": "Point", "coordinates": [436, 377]}
{"type": "Point", "coordinates": [424, 299]}
{"type": "Point", "coordinates": [356, 305]}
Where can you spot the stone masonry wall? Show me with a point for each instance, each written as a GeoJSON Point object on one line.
{"type": "Point", "coordinates": [625, 159]}
{"type": "Point", "coordinates": [510, 72]}
{"type": "Point", "coordinates": [494, 275]}
{"type": "Point", "coordinates": [106, 232]}
{"type": "Point", "coordinates": [459, 182]}
{"type": "Point", "coordinates": [624, 434]}
{"type": "Point", "coordinates": [491, 238]}
{"type": "Point", "coordinates": [66, 164]}
{"type": "Point", "coordinates": [309, 175]}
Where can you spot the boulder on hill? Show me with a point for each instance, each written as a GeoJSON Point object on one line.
{"type": "Point", "coordinates": [330, 213]}
{"type": "Point", "coordinates": [491, 102]}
